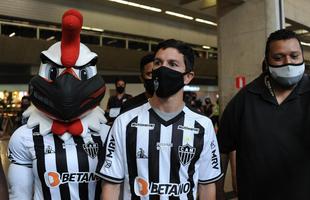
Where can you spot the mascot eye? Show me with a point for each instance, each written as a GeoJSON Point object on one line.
{"type": "Point", "coordinates": [87, 72]}
{"type": "Point", "coordinates": [52, 73]}
{"type": "Point", "coordinates": [83, 74]}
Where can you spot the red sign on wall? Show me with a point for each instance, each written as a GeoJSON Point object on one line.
{"type": "Point", "coordinates": [240, 82]}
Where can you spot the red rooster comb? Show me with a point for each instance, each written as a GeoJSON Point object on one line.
{"type": "Point", "coordinates": [72, 21]}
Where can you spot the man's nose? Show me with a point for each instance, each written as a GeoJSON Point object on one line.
{"type": "Point", "coordinates": [287, 59]}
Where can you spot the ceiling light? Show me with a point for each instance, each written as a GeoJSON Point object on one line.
{"type": "Point", "coordinates": [97, 29]}
{"type": "Point", "coordinates": [305, 44]}
{"type": "Point", "coordinates": [86, 28]}
{"type": "Point", "coordinates": [301, 31]}
{"type": "Point", "coordinates": [179, 15]}
{"type": "Point", "coordinates": [191, 88]}
{"type": "Point", "coordinates": [206, 47]}
{"type": "Point", "coordinates": [137, 5]}
{"type": "Point", "coordinates": [12, 34]}
{"type": "Point", "coordinates": [205, 21]}
{"type": "Point", "coordinates": [50, 38]}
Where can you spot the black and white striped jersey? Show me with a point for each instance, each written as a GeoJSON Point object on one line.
{"type": "Point", "coordinates": [59, 169]}
{"type": "Point", "coordinates": [156, 157]}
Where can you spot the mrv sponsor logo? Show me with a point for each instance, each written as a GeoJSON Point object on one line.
{"type": "Point", "coordinates": [54, 179]}
{"type": "Point", "coordinates": [111, 147]}
{"type": "Point", "coordinates": [143, 188]}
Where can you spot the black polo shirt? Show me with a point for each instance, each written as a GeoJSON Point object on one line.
{"type": "Point", "coordinates": [272, 141]}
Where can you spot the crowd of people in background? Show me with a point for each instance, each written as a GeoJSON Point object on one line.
{"type": "Point", "coordinates": [204, 105]}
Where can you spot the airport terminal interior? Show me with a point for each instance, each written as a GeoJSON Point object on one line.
{"type": "Point", "coordinates": [227, 36]}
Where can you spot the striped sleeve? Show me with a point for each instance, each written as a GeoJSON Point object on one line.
{"type": "Point", "coordinates": [112, 169]}
{"type": "Point", "coordinates": [210, 165]}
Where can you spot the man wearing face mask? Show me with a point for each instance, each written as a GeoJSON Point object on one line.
{"type": "Point", "coordinates": [115, 101]}
{"type": "Point", "coordinates": [267, 123]}
{"type": "Point", "coordinates": [162, 149]}
{"type": "Point", "coordinates": [146, 67]}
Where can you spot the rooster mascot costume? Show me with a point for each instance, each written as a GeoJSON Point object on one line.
{"type": "Point", "coordinates": [54, 156]}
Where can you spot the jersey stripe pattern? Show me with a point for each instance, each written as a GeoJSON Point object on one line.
{"type": "Point", "coordinates": [61, 169]}
{"type": "Point", "coordinates": [158, 159]}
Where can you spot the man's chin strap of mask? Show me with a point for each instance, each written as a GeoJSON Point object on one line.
{"type": "Point", "coordinates": [287, 75]}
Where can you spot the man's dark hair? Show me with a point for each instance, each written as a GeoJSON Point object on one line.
{"type": "Point", "coordinates": [145, 60]}
{"type": "Point", "coordinates": [282, 34]}
{"type": "Point", "coordinates": [26, 97]}
{"type": "Point", "coordinates": [183, 48]}
{"type": "Point", "coordinates": [119, 79]}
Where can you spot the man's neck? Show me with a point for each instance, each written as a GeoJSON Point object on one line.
{"type": "Point", "coordinates": [280, 92]}
{"type": "Point", "coordinates": [171, 104]}
{"type": "Point", "coordinates": [119, 96]}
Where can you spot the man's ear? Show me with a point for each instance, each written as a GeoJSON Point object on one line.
{"type": "Point", "coordinates": [188, 77]}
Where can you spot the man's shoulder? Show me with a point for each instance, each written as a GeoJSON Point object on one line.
{"type": "Point", "coordinates": [134, 111]}
{"type": "Point", "coordinates": [304, 86]}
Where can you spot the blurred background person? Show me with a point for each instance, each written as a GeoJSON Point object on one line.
{"type": "Point", "coordinates": [3, 185]}
{"type": "Point", "coordinates": [146, 67]}
{"type": "Point", "coordinates": [24, 104]}
{"type": "Point", "coordinates": [208, 107]}
{"type": "Point", "coordinates": [115, 101]}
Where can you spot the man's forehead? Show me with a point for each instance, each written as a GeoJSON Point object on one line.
{"type": "Point", "coordinates": [291, 44]}
{"type": "Point", "coordinates": [169, 52]}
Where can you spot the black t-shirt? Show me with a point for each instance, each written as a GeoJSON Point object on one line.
{"type": "Point", "coordinates": [272, 141]}
{"type": "Point", "coordinates": [134, 102]}
{"type": "Point", "coordinates": [114, 106]}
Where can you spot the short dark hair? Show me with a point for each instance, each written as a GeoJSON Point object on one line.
{"type": "Point", "coordinates": [183, 48]}
{"type": "Point", "coordinates": [145, 60]}
{"type": "Point", "coordinates": [282, 34]}
{"type": "Point", "coordinates": [119, 79]}
{"type": "Point", "coordinates": [26, 97]}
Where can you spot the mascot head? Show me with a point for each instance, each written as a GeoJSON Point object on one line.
{"type": "Point", "coordinates": [67, 85]}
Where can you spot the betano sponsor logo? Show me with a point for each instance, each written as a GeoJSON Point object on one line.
{"type": "Point", "coordinates": [54, 179]}
{"type": "Point", "coordinates": [142, 188]}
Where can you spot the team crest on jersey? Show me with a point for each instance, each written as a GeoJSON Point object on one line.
{"type": "Point", "coordinates": [186, 153]}
{"type": "Point", "coordinates": [91, 149]}
{"type": "Point", "coordinates": [141, 154]}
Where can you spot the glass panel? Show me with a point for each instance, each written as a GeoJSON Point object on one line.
{"type": "Point", "coordinates": [18, 31]}
{"type": "Point", "coordinates": [113, 42]}
{"type": "Point", "coordinates": [140, 46]}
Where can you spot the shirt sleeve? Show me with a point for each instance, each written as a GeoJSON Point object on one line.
{"type": "Point", "coordinates": [18, 148]}
{"type": "Point", "coordinates": [20, 180]}
{"type": "Point", "coordinates": [229, 124]}
{"type": "Point", "coordinates": [111, 168]}
{"type": "Point", "coordinates": [210, 164]}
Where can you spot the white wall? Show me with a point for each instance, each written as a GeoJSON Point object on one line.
{"type": "Point", "coordinates": [298, 10]}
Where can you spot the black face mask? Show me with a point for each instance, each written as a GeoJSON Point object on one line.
{"type": "Point", "coordinates": [149, 86]}
{"type": "Point", "coordinates": [120, 89]}
{"type": "Point", "coordinates": [66, 98]}
{"type": "Point", "coordinates": [167, 81]}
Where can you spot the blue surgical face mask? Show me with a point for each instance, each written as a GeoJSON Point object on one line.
{"type": "Point", "coordinates": [287, 75]}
